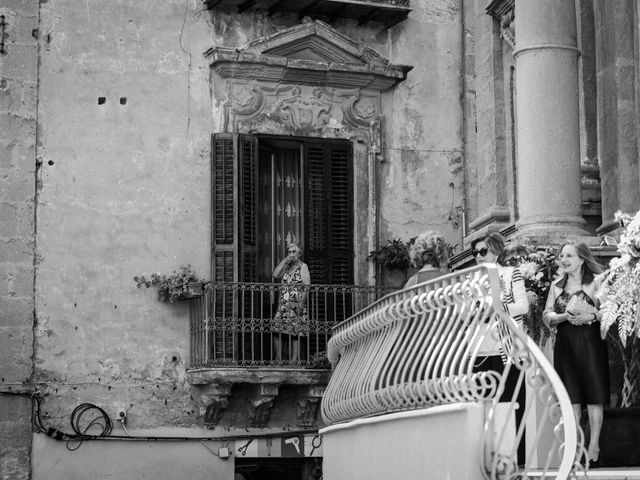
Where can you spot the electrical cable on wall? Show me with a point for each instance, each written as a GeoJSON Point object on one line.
{"type": "Point", "coordinates": [102, 421]}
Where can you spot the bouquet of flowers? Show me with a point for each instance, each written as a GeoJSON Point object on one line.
{"type": "Point", "coordinates": [620, 291]}
{"type": "Point", "coordinates": [538, 267]}
{"type": "Point", "coordinates": [620, 304]}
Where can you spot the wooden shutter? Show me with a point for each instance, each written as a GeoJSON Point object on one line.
{"type": "Point", "coordinates": [234, 172]}
{"type": "Point", "coordinates": [329, 173]}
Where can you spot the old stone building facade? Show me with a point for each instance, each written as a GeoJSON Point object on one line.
{"type": "Point", "coordinates": [129, 131]}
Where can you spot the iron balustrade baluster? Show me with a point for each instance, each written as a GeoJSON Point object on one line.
{"type": "Point", "coordinates": [231, 323]}
{"type": "Point", "coordinates": [419, 347]}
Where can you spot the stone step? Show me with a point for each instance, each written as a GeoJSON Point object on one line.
{"type": "Point", "coordinates": [618, 473]}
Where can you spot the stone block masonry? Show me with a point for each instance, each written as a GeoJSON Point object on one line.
{"type": "Point", "coordinates": [18, 120]}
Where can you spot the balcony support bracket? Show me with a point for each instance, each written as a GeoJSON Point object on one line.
{"type": "Point", "coordinates": [261, 404]}
{"type": "Point", "coordinates": [307, 406]}
{"type": "Point", "coordinates": [215, 399]}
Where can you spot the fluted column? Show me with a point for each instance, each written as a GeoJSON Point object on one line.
{"type": "Point", "coordinates": [548, 121]}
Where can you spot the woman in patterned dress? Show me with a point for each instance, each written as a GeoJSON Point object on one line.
{"type": "Point", "coordinates": [292, 318]}
{"type": "Point", "coordinates": [580, 355]}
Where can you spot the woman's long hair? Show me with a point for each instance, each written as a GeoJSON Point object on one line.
{"type": "Point", "coordinates": [590, 267]}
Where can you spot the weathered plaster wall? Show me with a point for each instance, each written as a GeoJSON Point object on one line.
{"type": "Point", "coordinates": [422, 176]}
{"type": "Point", "coordinates": [124, 186]}
{"type": "Point", "coordinates": [124, 189]}
{"type": "Point", "coordinates": [18, 106]}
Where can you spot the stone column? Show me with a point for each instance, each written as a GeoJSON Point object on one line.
{"type": "Point", "coordinates": [548, 121]}
{"type": "Point", "coordinates": [618, 115]}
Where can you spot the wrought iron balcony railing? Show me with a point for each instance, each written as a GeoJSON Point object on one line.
{"type": "Point", "coordinates": [232, 324]}
{"type": "Point", "coordinates": [422, 347]}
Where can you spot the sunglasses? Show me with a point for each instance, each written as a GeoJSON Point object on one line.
{"type": "Point", "coordinates": [482, 252]}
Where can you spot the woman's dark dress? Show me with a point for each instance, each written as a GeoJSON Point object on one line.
{"type": "Point", "coordinates": [581, 358]}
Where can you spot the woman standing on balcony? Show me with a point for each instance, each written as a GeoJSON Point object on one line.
{"type": "Point", "coordinates": [292, 318]}
{"type": "Point", "coordinates": [429, 253]}
{"type": "Point", "coordinates": [580, 355]}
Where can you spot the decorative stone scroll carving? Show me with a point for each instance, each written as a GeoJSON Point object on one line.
{"type": "Point", "coordinates": [302, 110]}
{"type": "Point", "coordinates": [504, 11]}
{"type": "Point", "coordinates": [507, 28]}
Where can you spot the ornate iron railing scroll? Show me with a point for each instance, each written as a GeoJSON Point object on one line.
{"type": "Point", "coordinates": [420, 347]}
{"type": "Point", "coordinates": [232, 324]}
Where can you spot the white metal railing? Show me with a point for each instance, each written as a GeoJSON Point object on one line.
{"type": "Point", "coordinates": [419, 347]}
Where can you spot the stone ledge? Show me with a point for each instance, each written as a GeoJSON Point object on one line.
{"type": "Point", "coordinates": [284, 376]}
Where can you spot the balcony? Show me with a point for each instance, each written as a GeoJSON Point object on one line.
{"type": "Point", "coordinates": [232, 339]}
{"type": "Point", "coordinates": [387, 12]}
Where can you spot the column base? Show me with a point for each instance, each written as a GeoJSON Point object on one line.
{"type": "Point", "coordinates": [553, 230]}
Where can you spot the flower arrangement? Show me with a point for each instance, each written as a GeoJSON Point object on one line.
{"type": "Point", "coordinates": [620, 298]}
{"type": "Point", "coordinates": [538, 267]}
{"type": "Point", "coordinates": [174, 287]}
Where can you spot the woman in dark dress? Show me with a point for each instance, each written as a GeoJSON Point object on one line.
{"type": "Point", "coordinates": [580, 355]}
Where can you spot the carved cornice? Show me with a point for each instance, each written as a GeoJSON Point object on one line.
{"type": "Point", "coordinates": [311, 53]}
{"type": "Point", "coordinates": [229, 63]}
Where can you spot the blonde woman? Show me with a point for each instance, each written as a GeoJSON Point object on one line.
{"type": "Point", "coordinates": [580, 355]}
{"type": "Point", "coordinates": [429, 253]}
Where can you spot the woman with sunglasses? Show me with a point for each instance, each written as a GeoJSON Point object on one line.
{"type": "Point", "coordinates": [429, 253]}
{"type": "Point", "coordinates": [580, 355]}
{"type": "Point", "coordinates": [491, 249]}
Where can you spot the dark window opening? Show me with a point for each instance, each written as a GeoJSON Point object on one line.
{"type": "Point", "coordinates": [270, 191]}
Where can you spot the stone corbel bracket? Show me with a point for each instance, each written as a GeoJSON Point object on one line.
{"type": "Point", "coordinates": [214, 400]}
{"type": "Point", "coordinates": [307, 405]}
{"type": "Point", "coordinates": [505, 12]}
{"type": "Point", "coordinates": [261, 404]}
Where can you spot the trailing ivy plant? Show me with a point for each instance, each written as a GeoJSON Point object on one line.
{"type": "Point", "coordinates": [171, 288]}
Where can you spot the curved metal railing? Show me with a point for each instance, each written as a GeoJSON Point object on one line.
{"type": "Point", "coordinates": [421, 347]}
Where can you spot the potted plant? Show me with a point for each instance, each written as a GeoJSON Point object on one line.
{"type": "Point", "coordinates": [181, 284]}
{"type": "Point", "coordinates": [393, 258]}
{"type": "Point", "coordinates": [620, 299]}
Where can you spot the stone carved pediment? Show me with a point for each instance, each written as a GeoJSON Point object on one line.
{"type": "Point", "coordinates": [311, 53]}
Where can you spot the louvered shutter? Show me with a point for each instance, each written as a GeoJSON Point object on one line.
{"type": "Point", "coordinates": [234, 203]}
{"type": "Point", "coordinates": [329, 212]}
{"type": "Point", "coordinates": [234, 207]}
{"type": "Point", "coordinates": [329, 231]}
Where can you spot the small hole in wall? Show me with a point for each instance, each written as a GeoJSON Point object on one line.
{"type": "Point", "coordinates": [102, 100]}
{"type": "Point", "coordinates": [174, 359]}
{"type": "Point", "coordinates": [50, 162]}
{"type": "Point", "coordinates": [123, 100]}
